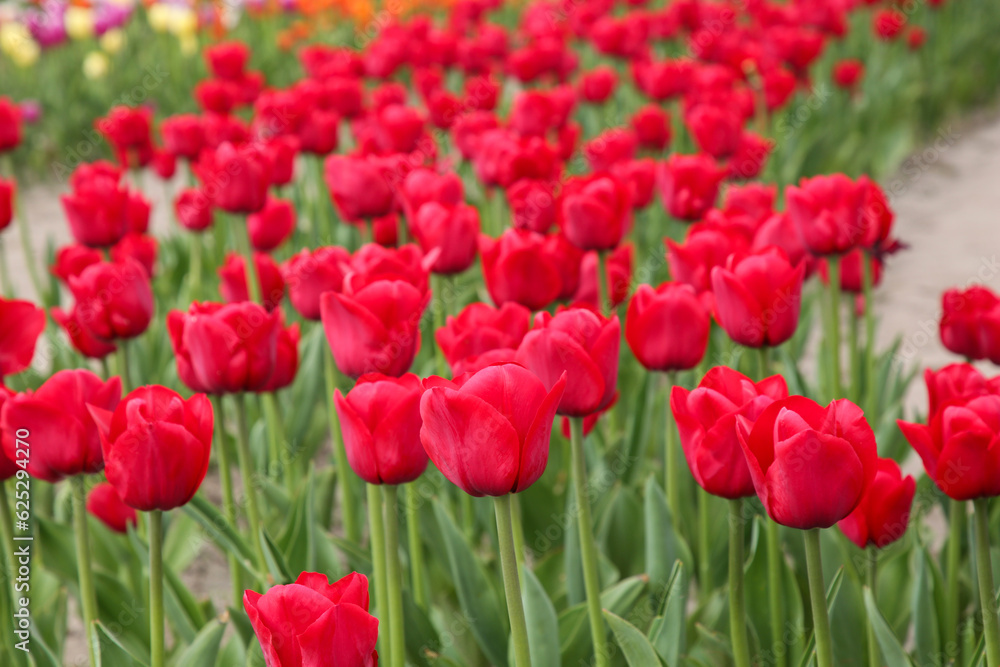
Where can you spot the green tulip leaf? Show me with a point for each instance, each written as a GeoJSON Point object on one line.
{"type": "Point", "coordinates": [111, 650]}
{"type": "Point", "coordinates": [204, 650]}
{"type": "Point", "coordinates": [892, 651]}
{"type": "Point", "coordinates": [543, 624]}
{"type": "Point", "coordinates": [634, 646]}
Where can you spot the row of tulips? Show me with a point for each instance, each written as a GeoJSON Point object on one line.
{"type": "Point", "coordinates": [543, 200]}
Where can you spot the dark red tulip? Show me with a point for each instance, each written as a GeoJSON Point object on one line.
{"type": "Point", "coordinates": [317, 133]}
{"type": "Point", "coordinates": [310, 273]}
{"type": "Point", "coordinates": [104, 504]}
{"type": "Point", "coordinates": [113, 299]}
{"type": "Point", "coordinates": [380, 419]}
{"type": "Point", "coordinates": [884, 511]}
{"type": "Point", "coordinates": [272, 225]}
{"type": "Point", "coordinates": [375, 329]}
{"type": "Point", "coordinates": [225, 349]}
{"type": "Point", "coordinates": [10, 125]}
{"type": "Point", "coordinates": [82, 339]}
{"type": "Point", "coordinates": [517, 268]}
{"type": "Point", "coordinates": [489, 432]}
{"type": "Point", "coordinates": [689, 185]}
{"type": "Point", "coordinates": [665, 79]}
{"type": "Point", "coordinates": [183, 135]}
{"type": "Point", "coordinates": [139, 247]}
{"type": "Point", "coordinates": [233, 280]}
{"type": "Point", "coordinates": [970, 323]}
{"type": "Point", "coordinates": [193, 209]}
{"type": "Point", "coordinates": [532, 114]}
{"type": "Point", "coordinates": [581, 344]}
{"type": "Point", "coordinates": [64, 437]}
{"type": "Point", "coordinates": [360, 187]}
{"type": "Point", "coordinates": [451, 231]}
{"type": "Point", "coordinates": [21, 322]}
{"type": "Point", "coordinates": [481, 334]}
{"type": "Point", "coordinates": [227, 60]}
{"type": "Point", "coordinates": [758, 296]}
{"type": "Point", "coordinates": [156, 447]}
{"type": "Point", "coordinates": [848, 73]}
{"type": "Point", "coordinates": [399, 128]}
{"type": "Point", "coordinates": [595, 212]}
{"type": "Point", "coordinates": [97, 206]}
{"type": "Point", "coordinates": [236, 179]}
{"type": "Point", "coordinates": [706, 422]}
{"type": "Point", "coordinates": [654, 334]}
{"type": "Point", "coordinates": [810, 465]}
{"type": "Point", "coordinates": [754, 201]}
{"type": "Point", "coordinates": [829, 212]}
{"type": "Point", "coordinates": [652, 127]}
{"type": "Point", "coordinates": [304, 623]}
{"type": "Point", "coordinates": [216, 96]}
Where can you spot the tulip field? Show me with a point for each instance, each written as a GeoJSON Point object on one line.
{"type": "Point", "coordinates": [468, 333]}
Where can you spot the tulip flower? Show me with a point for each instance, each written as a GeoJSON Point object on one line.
{"type": "Point", "coordinates": [616, 278]}
{"type": "Point", "coordinates": [970, 323]}
{"type": "Point", "coordinates": [716, 129]}
{"type": "Point", "coordinates": [113, 300]}
{"type": "Point", "coordinates": [71, 260]}
{"type": "Point", "coordinates": [128, 130]}
{"type": "Point", "coordinates": [757, 297]}
{"type": "Point", "coordinates": [22, 323]}
{"type": "Point", "coordinates": [8, 190]}
{"type": "Point", "coordinates": [286, 360]}
{"type": "Point", "coordinates": [233, 280]}
{"type": "Point", "coordinates": [829, 212]}
{"type": "Point", "coordinates": [272, 225]}
{"type": "Point", "coordinates": [375, 328]}
{"type": "Point", "coordinates": [481, 335]}
{"type": "Point", "coordinates": [80, 337]}
{"type": "Point", "coordinates": [183, 135]}
{"type": "Point", "coordinates": [311, 620]}
{"type": "Point", "coordinates": [104, 503]}
{"type": "Point", "coordinates": [374, 262]}
{"type": "Point", "coordinates": [581, 344]}
{"type": "Point", "coordinates": [654, 329]}
{"type": "Point", "coordinates": [139, 247]}
{"type": "Point", "coordinates": [884, 511]}
{"type": "Point", "coordinates": [847, 73]}
{"type": "Point", "coordinates": [652, 127]}
{"type": "Point", "coordinates": [609, 148]}
{"type": "Point", "coordinates": [10, 125]}
{"type": "Point", "coordinates": [516, 268]}
{"type": "Point", "coordinates": [452, 231]}
{"type": "Point", "coordinates": [689, 185]}
{"type": "Point", "coordinates": [594, 212]}
{"type": "Point", "coordinates": [236, 178]}
{"type": "Point", "coordinates": [360, 187]}
{"type": "Point", "coordinates": [424, 185]}
{"type": "Point", "coordinates": [597, 85]}
{"type": "Point", "coordinates": [97, 206]}
{"type": "Point", "coordinates": [227, 60]}
{"type": "Point", "coordinates": [310, 273]}
{"type": "Point", "coordinates": [533, 205]}
{"type": "Point", "coordinates": [956, 382]}
{"type": "Point", "coordinates": [707, 246]}
{"type": "Point", "coordinates": [193, 209]}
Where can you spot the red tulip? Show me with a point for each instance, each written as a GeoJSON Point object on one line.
{"type": "Point", "coordinates": [568, 262]}
{"type": "Point", "coordinates": [305, 623]}
{"type": "Point", "coordinates": [286, 359]}
{"type": "Point", "coordinates": [617, 277]}
{"type": "Point", "coordinates": [851, 267]}
{"type": "Point", "coordinates": [610, 148]}
{"type": "Point", "coordinates": [104, 503]}
{"type": "Point", "coordinates": [750, 157]}
{"type": "Point", "coordinates": [594, 212]}
{"type": "Point", "coordinates": [532, 114]}
{"type": "Point", "coordinates": [71, 260]}
{"type": "Point", "coordinates": [639, 176]}
{"type": "Point", "coordinates": [915, 37]}
{"type": "Point", "coordinates": [233, 277]}
{"type": "Point", "coordinates": [707, 246]}
{"type": "Point", "coordinates": [272, 225]}
{"type": "Point", "coordinates": [582, 345]}
{"type": "Point", "coordinates": [138, 211]}
{"type": "Point", "coordinates": [399, 128]}
{"type": "Point", "coordinates": [481, 334]}
{"type": "Point", "coordinates": [227, 60]}
{"type": "Point", "coordinates": [183, 135]}
{"type": "Point", "coordinates": [598, 84]}
{"type": "Point", "coordinates": [888, 23]}
{"type": "Point", "coordinates": [810, 465]}
{"type": "Point", "coordinates": [780, 231]}
{"type": "Point", "coordinates": [375, 328]}
{"type": "Point", "coordinates": [847, 73]}
{"type": "Point", "coordinates": [10, 125]}
{"type": "Point", "coordinates": [715, 128]}
{"type": "Point", "coordinates": [97, 206]}
{"type": "Point", "coordinates": [829, 212]}
{"type": "Point", "coordinates": [360, 187]}
{"type": "Point", "coordinates": [970, 323]}
{"type": "Point", "coordinates": [128, 130]}
{"type": "Point", "coordinates": [82, 339]}
{"type": "Point", "coordinates": [532, 205]}
{"type": "Point", "coordinates": [689, 185]}
{"type": "Point", "coordinates": [225, 349]}
{"type": "Point", "coordinates": [489, 432]}
{"type": "Point", "coordinates": [956, 382]}
{"type": "Point", "coordinates": [652, 127]}
{"type": "Point", "coordinates": [380, 419]}
{"type": "Point", "coordinates": [193, 209]}
{"type": "Point", "coordinates": [758, 296]}
{"type": "Point", "coordinates": [216, 96]}
{"type": "Point", "coordinates": [113, 300]}
{"type": "Point", "coordinates": [156, 447]}
{"type": "Point", "coordinates": [452, 231]}
{"type": "Point", "coordinates": [281, 152]}
{"type": "Point", "coordinates": [517, 268]}
{"type": "Point", "coordinates": [424, 185]}
{"type": "Point", "coordinates": [318, 132]}
{"type": "Point", "coordinates": [706, 422]}
{"type": "Point", "coordinates": [236, 179]}
{"type": "Point", "coordinates": [310, 273]}
{"type": "Point", "coordinates": [373, 262]}
{"type": "Point", "coordinates": [139, 247]}
{"type": "Point", "coordinates": [64, 436]}
{"type": "Point", "coordinates": [654, 331]}
{"type": "Point", "coordinates": [8, 190]}
{"type": "Point", "coordinates": [884, 511]}
{"type": "Point", "coordinates": [8, 467]}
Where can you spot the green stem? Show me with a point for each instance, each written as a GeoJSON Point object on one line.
{"type": "Point", "coordinates": [228, 504]}
{"type": "Point", "coordinates": [88, 600]}
{"type": "Point", "coordinates": [511, 582]}
{"type": "Point", "coordinates": [5, 281]}
{"type": "Point", "coordinates": [517, 525]}
{"type": "Point", "coordinates": [123, 365]}
{"type": "Point", "coordinates": [438, 308]}
{"type": "Point", "coordinates": [764, 359]}
{"type": "Point", "coordinates": [854, 350]}
{"type": "Point", "coordinates": [156, 630]}
{"type": "Point", "coordinates": [394, 576]}
{"type": "Point", "coordinates": [416, 546]}
{"type": "Point", "coordinates": [704, 545]}
{"type": "Point", "coordinates": [833, 326]}
{"type": "Point", "coordinates": [348, 510]}
{"type": "Point", "coordinates": [775, 586]}
{"type": "Point", "coordinates": [243, 239]}
{"type": "Point", "coordinates": [670, 466]}
{"type": "Point", "coordinates": [8, 561]}
{"type": "Point", "coordinates": [874, 655]}
{"type": "Point", "coordinates": [817, 598]}
{"type": "Point", "coordinates": [603, 302]}
{"type": "Point", "coordinates": [275, 464]}
{"type": "Point", "coordinates": [737, 601]}
{"type": "Point", "coordinates": [468, 515]}
{"type": "Point", "coordinates": [376, 529]}
{"type": "Point", "coordinates": [29, 254]}
{"type": "Point", "coordinates": [987, 591]}
{"type": "Point", "coordinates": [194, 284]}
{"type": "Point", "coordinates": [956, 531]}
{"type": "Point", "coordinates": [588, 549]}
{"type": "Point", "coordinates": [247, 473]}
{"type": "Point", "coordinates": [871, 397]}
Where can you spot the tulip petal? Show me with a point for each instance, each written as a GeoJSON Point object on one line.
{"type": "Point", "coordinates": [549, 354]}
{"type": "Point", "coordinates": [535, 450]}
{"type": "Point", "coordinates": [358, 441]}
{"type": "Point", "coordinates": [737, 310]}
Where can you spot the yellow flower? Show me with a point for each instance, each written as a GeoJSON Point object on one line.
{"type": "Point", "coordinates": [113, 40]}
{"type": "Point", "coordinates": [17, 42]}
{"type": "Point", "coordinates": [159, 17]}
{"type": "Point", "coordinates": [79, 22]}
{"type": "Point", "coordinates": [183, 21]}
{"type": "Point", "coordinates": [189, 44]}
{"type": "Point", "coordinates": [95, 65]}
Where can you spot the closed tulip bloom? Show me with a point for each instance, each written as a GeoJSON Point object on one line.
{"type": "Point", "coordinates": [80, 337]}
{"type": "Point", "coordinates": [716, 129]}
{"type": "Point", "coordinates": [667, 327]}
{"type": "Point", "coordinates": [104, 504]}
{"type": "Point", "coordinates": [810, 465]}
{"type": "Point", "coordinates": [113, 300]}
{"type": "Point", "coordinates": [97, 207]}
{"type": "Point", "coordinates": [829, 212]}
{"type": "Point", "coordinates": [754, 201]}
{"type": "Point", "coordinates": [318, 132]}
{"type": "Point", "coordinates": [311, 622]}
{"type": "Point", "coordinates": [156, 447]}
{"type": "Point", "coordinates": [610, 148]}
{"type": "Point", "coordinates": [956, 382]}
{"type": "Point", "coordinates": [758, 296]}
{"type": "Point", "coordinates": [847, 73]}
{"type": "Point", "coordinates": [233, 280]}
{"type": "Point", "coordinates": [706, 422]}
{"type": "Point", "coordinates": [517, 268]}
{"type": "Point", "coordinates": [375, 329]}
{"type": "Point", "coordinates": [598, 84]}
{"type": "Point", "coordinates": [884, 511]}
{"type": "Point", "coordinates": [970, 323]}
{"type": "Point", "coordinates": [532, 204]}
{"type": "Point", "coordinates": [532, 113]}
{"type": "Point", "coordinates": [8, 190]}
{"type": "Point", "coordinates": [193, 209]}
{"type": "Point", "coordinates": [380, 420]}
{"type": "Point", "coordinates": [10, 124]}
{"type": "Point", "coordinates": [399, 128]}
{"type": "Point", "coordinates": [224, 348]}
{"type": "Point", "coordinates": [851, 271]}
{"type": "Point", "coordinates": [488, 433]}
{"type": "Point", "coordinates": [286, 359]}
{"type": "Point", "coordinates": [71, 260]}
{"type": "Point", "coordinates": [652, 127]}
{"type": "Point", "coordinates": [138, 211]}
{"type": "Point", "coordinates": [373, 262]}
{"type": "Point", "coordinates": [359, 187]}
{"type": "Point", "coordinates": [639, 176]}
{"type": "Point", "coordinates": [595, 212]}
{"type": "Point", "coordinates": [960, 446]}
{"type": "Point", "coordinates": [888, 23]}
{"type": "Point", "coordinates": [183, 135]}
{"type": "Point", "coordinates": [21, 323]}
{"type": "Point", "coordinates": [779, 230]}
{"type": "Point", "coordinates": [750, 157]}
{"type": "Point", "coordinates": [689, 184]}
{"type": "Point", "coordinates": [139, 247]}
{"type": "Point", "coordinates": [237, 177]}
{"type": "Point", "coordinates": [8, 468]}
{"type": "Point", "coordinates": [707, 246]}
{"type": "Point", "coordinates": [281, 152]}
{"type": "Point", "coordinates": [128, 130]}
{"type": "Point", "coordinates": [568, 261]}
{"type": "Point", "coordinates": [227, 60]}
{"type": "Point", "coordinates": [480, 330]}
{"type": "Point", "coordinates": [309, 273]}
{"type": "Point", "coordinates": [581, 344]}
{"type": "Point", "coordinates": [272, 225]}
{"type": "Point", "coordinates": [64, 437]}
{"type": "Point", "coordinates": [424, 185]}
{"type": "Point", "coordinates": [452, 231]}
